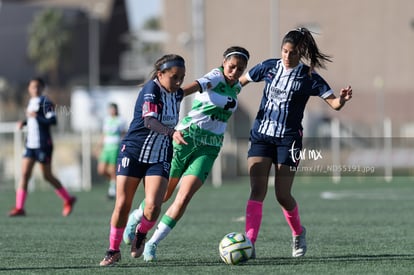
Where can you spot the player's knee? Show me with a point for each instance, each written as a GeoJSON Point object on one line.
{"type": "Point", "coordinates": [50, 178]}
{"type": "Point", "coordinates": [284, 199]}
{"type": "Point", "coordinates": [151, 211]}
{"type": "Point", "coordinates": [26, 177]}
{"type": "Point", "coordinates": [101, 171]}
{"type": "Point", "coordinates": [258, 194]}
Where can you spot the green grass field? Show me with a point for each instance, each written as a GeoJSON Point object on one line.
{"type": "Point", "coordinates": [359, 226]}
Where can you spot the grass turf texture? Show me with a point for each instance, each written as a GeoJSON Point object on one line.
{"type": "Point", "coordinates": [359, 226]}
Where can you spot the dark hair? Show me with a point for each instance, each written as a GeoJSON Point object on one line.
{"type": "Point", "coordinates": [303, 41]}
{"type": "Point", "coordinates": [115, 107]}
{"type": "Point", "coordinates": [40, 81]}
{"type": "Point", "coordinates": [159, 65]}
{"type": "Point", "coordinates": [237, 51]}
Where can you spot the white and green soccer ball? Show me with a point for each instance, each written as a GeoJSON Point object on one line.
{"type": "Point", "coordinates": [235, 248]}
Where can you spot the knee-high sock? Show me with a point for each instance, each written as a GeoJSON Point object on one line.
{"type": "Point", "coordinates": [21, 196]}
{"type": "Point", "coordinates": [164, 227]}
{"type": "Point", "coordinates": [254, 212]}
{"type": "Point", "coordinates": [115, 237]}
{"type": "Point", "coordinates": [145, 225]}
{"type": "Point", "coordinates": [63, 194]}
{"type": "Point", "coordinates": [293, 219]}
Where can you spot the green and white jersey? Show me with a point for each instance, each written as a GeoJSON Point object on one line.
{"type": "Point", "coordinates": [113, 129]}
{"type": "Point", "coordinates": [211, 109]}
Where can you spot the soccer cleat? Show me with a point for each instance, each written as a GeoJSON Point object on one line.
{"type": "Point", "coordinates": [138, 244]}
{"type": "Point", "coordinates": [16, 212]}
{"type": "Point", "coordinates": [111, 258]}
{"type": "Point", "coordinates": [299, 244]}
{"type": "Point", "coordinates": [149, 252]}
{"type": "Point", "coordinates": [129, 232]}
{"type": "Point", "coordinates": [68, 206]}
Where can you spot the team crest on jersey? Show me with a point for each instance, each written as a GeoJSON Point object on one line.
{"type": "Point", "coordinates": [125, 162]}
{"type": "Point", "coordinates": [296, 85]}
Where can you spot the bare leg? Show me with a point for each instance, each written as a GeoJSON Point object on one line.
{"type": "Point", "coordinates": [27, 168]}
{"type": "Point", "coordinates": [259, 168]}
{"type": "Point", "coordinates": [172, 184]}
{"type": "Point", "coordinates": [125, 191]}
{"type": "Point", "coordinates": [48, 175]}
{"type": "Point", "coordinates": [155, 188]}
{"type": "Point", "coordinates": [189, 186]}
{"type": "Point", "coordinates": [283, 186]}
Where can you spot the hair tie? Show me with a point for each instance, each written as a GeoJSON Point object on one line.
{"type": "Point", "coordinates": [301, 30]}
{"type": "Point", "coordinates": [172, 63]}
{"type": "Point", "coordinates": [237, 53]}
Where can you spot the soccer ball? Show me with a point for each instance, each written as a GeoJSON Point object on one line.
{"type": "Point", "coordinates": [235, 248]}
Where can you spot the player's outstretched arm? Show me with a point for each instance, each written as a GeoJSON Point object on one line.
{"type": "Point", "coordinates": [338, 102]}
{"type": "Point", "coordinates": [191, 88]}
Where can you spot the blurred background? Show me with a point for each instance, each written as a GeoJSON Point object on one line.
{"type": "Point", "coordinates": [98, 51]}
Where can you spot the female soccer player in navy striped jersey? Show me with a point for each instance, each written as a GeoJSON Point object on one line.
{"type": "Point", "coordinates": [40, 115]}
{"type": "Point", "coordinates": [146, 152]}
{"type": "Point", "coordinates": [277, 131]}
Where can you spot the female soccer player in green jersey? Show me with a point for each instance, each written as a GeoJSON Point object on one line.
{"type": "Point", "coordinates": [113, 130]}
{"type": "Point", "coordinates": [203, 129]}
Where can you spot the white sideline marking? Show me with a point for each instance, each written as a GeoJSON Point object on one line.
{"type": "Point", "coordinates": [387, 194]}
{"type": "Point", "coordinates": [239, 219]}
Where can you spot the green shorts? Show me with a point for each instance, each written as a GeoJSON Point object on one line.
{"type": "Point", "coordinates": [193, 159]}
{"type": "Point", "coordinates": [109, 155]}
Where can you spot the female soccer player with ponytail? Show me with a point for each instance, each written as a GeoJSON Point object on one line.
{"type": "Point", "coordinates": [40, 116]}
{"type": "Point", "coordinates": [146, 152]}
{"type": "Point", "coordinates": [277, 129]}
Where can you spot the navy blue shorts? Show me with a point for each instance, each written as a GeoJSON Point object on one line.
{"type": "Point", "coordinates": [41, 155]}
{"type": "Point", "coordinates": [284, 150]}
{"type": "Point", "coordinates": [127, 166]}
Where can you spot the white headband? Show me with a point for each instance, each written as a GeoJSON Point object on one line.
{"type": "Point", "coordinates": [237, 53]}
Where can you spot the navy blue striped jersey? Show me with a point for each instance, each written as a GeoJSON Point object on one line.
{"type": "Point", "coordinates": [285, 95]}
{"type": "Point", "coordinates": [143, 144]}
{"type": "Point", "coordinates": [38, 127]}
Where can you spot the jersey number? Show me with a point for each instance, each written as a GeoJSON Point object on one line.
{"type": "Point", "coordinates": [231, 103]}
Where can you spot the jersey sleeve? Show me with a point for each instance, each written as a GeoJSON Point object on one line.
{"type": "Point", "coordinates": [46, 114]}
{"type": "Point", "coordinates": [151, 95]}
{"type": "Point", "coordinates": [258, 72]}
{"type": "Point", "coordinates": [210, 80]}
{"type": "Point", "coordinates": [320, 87]}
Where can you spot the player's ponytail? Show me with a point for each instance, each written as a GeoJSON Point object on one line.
{"type": "Point", "coordinates": [164, 63]}
{"type": "Point", "coordinates": [303, 40]}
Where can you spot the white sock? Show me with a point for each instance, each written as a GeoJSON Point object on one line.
{"type": "Point", "coordinates": [163, 229]}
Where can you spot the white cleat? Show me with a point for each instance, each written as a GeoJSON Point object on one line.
{"type": "Point", "coordinates": [129, 232]}
{"type": "Point", "coordinates": [299, 244]}
{"type": "Point", "coordinates": [149, 252]}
